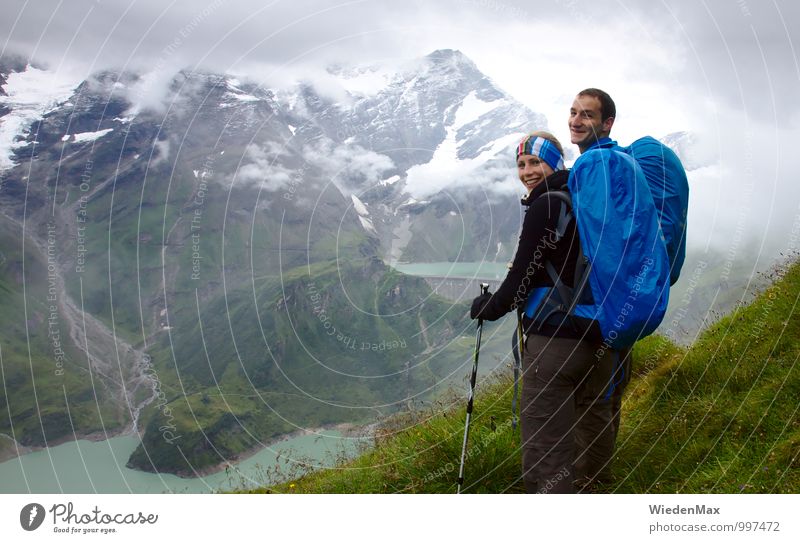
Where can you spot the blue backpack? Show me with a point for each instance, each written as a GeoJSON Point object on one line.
{"type": "Point", "coordinates": [622, 275]}
{"type": "Point", "coordinates": [670, 191]}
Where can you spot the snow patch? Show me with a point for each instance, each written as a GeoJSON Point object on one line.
{"type": "Point", "coordinates": [242, 97]}
{"type": "Point", "coordinates": [236, 93]}
{"type": "Point", "coordinates": [29, 95]}
{"type": "Point", "coordinates": [472, 108]}
{"type": "Point", "coordinates": [292, 129]}
{"type": "Point", "coordinates": [499, 248]}
{"type": "Point", "coordinates": [90, 136]}
{"type": "Point", "coordinates": [445, 169]}
{"type": "Point", "coordinates": [359, 206]}
{"type": "Point", "coordinates": [367, 224]}
{"type": "Point", "coordinates": [391, 180]}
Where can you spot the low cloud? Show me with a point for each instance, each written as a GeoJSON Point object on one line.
{"type": "Point", "coordinates": [153, 89]}
{"type": "Point", "coordinates": [262, 171]}
{"type": "Point", "coordinates": [350, 167]}
{"type": "Point", "coordinates": [745, 201]}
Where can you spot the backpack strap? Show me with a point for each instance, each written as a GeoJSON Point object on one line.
{"type": "Point", "coordinates": [560, 298]}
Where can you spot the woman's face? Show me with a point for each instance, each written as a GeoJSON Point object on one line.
{"type": "Point", "coordinates": [532, 170]}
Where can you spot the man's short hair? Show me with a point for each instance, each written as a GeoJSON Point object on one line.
{"type": "Point", "coordinates": [607, 106]}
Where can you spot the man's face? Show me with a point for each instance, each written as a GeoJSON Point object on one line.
{"type": "Point", "coordinates": [585, 122]}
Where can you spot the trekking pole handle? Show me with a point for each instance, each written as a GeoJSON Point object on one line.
{"type": "Point", "coordinates": [484, 290]}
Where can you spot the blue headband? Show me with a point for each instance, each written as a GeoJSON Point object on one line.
{"type": "Point", "coordinates": [544, 149]}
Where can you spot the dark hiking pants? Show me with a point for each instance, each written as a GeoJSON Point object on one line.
{"type": "Point", "coordinates": [571, 395]}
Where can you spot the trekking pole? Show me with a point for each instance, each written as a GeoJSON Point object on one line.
{"type": "Point", "coordinates": [484, 290]}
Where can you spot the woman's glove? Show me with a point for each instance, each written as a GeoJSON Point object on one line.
{"type": "Point", "coordinates": [479, 304]}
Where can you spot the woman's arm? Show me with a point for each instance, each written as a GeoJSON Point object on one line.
{"type": "Point", "coordinates": [536, 242]}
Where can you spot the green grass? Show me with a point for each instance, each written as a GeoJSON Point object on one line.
{"type": "Point", "coordinates": [718, 417]}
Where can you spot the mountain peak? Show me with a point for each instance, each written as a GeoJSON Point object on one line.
{"type": "Point", "coordinates": [447, 54]}
{"type": "Point", "coordinates": [451, 57]}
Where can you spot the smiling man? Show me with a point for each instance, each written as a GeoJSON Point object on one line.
{"type": "Point", "coordinates": [591, 118]}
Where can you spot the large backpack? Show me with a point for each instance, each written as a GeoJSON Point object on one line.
{"type": "Point", "coordinates": [670, 191]}
{"type": "Point", "coordinates": [622, 276]}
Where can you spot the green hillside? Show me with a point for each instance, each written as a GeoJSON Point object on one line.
{"type": "Point", "coordinates": [718, 417]}
{"type": "Point", "coordinates": [309, 354]}
{"type": "Point", "coordinates": [48, 389]}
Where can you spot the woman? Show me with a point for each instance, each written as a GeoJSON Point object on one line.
{"type": "Point", "coordinates": [565, 416]}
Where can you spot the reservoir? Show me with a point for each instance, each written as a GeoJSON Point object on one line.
{"type": "Point", "coordinates": [99, 467]}
{"type": "Point", "coordinates": [456, 270]}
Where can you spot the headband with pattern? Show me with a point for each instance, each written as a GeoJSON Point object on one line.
{"type": "Point", "coordinates": [543, 148]}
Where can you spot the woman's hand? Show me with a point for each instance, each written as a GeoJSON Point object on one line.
{"type": "Point", "coordinates": [479, 304]}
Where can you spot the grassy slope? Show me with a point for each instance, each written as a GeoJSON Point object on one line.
{"type": "Point", "coordinates": [719, 417]}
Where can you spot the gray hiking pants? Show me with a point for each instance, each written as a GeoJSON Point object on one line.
{"type": "Point", "coordinates": [571, 394]}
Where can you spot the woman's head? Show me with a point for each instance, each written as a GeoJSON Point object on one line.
{"type": "Point", "coordinates": [539, 154]}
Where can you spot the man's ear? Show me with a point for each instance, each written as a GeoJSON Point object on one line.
{"type": "Point", "coordinates": [607, 124]}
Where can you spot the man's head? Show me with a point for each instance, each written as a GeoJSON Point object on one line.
{"type": "Point", "coordinates": [591, 117]}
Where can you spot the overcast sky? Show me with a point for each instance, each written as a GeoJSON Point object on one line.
{"type": "Point", "coordinates": [726, 70]}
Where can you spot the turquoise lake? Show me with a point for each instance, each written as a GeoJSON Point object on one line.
{"type": "Point", "coordinates": [99, 467]}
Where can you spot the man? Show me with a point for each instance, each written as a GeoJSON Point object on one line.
{"type": "Point", "coordinates": [568, 428]}
{"type": "Point", "coordinates": [590, 120]}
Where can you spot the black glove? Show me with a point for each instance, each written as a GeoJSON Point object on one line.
{"type": "Point", "coordinates": [479, 304]}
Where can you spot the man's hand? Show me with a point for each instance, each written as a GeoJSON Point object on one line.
{"type": "Point", "coordinates": [478, 305]}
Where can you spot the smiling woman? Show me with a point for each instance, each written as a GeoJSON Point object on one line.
{"type": "Point", "coordinates": [539, 155]}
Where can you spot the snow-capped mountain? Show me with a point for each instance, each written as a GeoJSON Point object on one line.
{"type": "Point", "coordinates": [212, 217]}
{"type": "Point", "coordinates": [427, 148]}
{"type": "Point", "coordinates": [685, 146]}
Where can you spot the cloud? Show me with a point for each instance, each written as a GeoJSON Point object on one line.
{"type": "Point", "coordinates": [262, 171]}
{"type": "Point", "coordinates": [153, 90]}
{"type": "Point", "coordinates": [747, 198]}
{"type": "Point", "coordinates": [216, 35]}
{"type": "Point", "coordinates": [731, 54]}
{"type": "Point", "coordinates": [350, 167]}
{"type": "Point", "coordinates": [721, 70]}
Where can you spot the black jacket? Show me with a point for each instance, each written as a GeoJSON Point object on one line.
{"type": "Point", "coordinates": [536, 246]}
